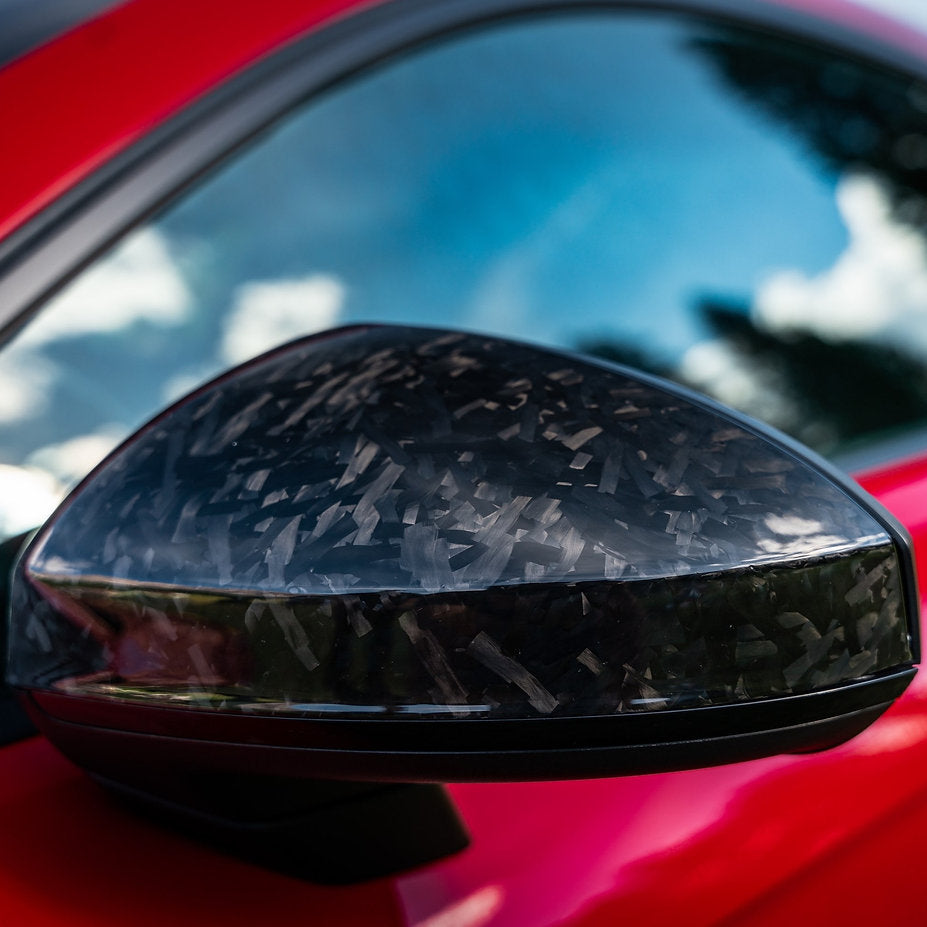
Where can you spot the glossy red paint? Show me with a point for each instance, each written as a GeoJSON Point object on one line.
{"type": "Point", "coordinates": [704, 847]}
{"type": "Point", "coordinates": [69, 856]}
{"type": "Point", "coordinates": [80, 99]}
{"type": "Point", "coordinates": [902, 489]}
{"type": "Point", "coordinates": [820, 839]}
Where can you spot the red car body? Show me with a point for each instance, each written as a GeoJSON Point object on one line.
{"type": "Point", "coordinates": [828, 838]}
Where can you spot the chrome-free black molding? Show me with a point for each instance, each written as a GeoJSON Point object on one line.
{"type": "Point", "coordinates": [101, 735]}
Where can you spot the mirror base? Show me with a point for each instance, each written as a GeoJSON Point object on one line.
{"type": "Point", "coordinates": [333, 833]}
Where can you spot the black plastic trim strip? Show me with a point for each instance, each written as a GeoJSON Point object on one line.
{"type": "Point", "coordinates": [104, 751]}
{"type": "Point", "coordinates": [463, 749]}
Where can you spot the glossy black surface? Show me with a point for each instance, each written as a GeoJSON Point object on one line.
{"type": "Point", "coordinates": [392, 521]}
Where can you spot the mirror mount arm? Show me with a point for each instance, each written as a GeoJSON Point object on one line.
{"type": "Point", "coordinates": [329, 832]}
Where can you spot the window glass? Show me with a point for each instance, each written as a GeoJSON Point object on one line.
{"type": "Point", "coordinates": [735, 212]}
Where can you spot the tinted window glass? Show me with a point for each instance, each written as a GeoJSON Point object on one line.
{"type": "Point", "coordinates": [735, 212]}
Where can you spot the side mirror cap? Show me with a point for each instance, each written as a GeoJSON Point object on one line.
{"type": "Point", "coordinates": [409, 555]}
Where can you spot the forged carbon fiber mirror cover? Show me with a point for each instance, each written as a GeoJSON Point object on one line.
{"type": "Point", "coordinates": [394, 524]}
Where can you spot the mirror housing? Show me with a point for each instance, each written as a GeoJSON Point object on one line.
{"type": "Point", "coordinates": [408, 555]}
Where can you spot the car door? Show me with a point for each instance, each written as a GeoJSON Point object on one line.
{"type": "Point", "coordinates": [731, 203]}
